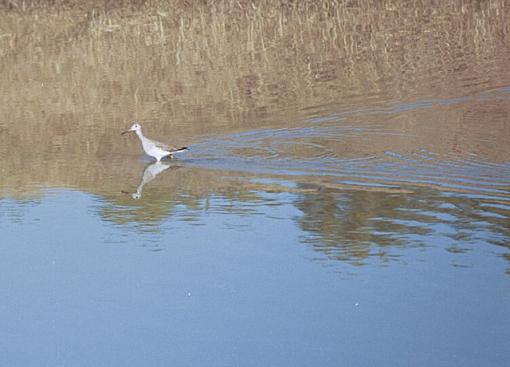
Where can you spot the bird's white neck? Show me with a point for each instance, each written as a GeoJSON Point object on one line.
{"type": "Point", "coordinates": [140, 134]}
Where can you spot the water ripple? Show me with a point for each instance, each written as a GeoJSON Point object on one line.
{"type": "Point", "coordinates": [371, 151]}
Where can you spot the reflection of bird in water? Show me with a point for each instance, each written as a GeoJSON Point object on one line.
{"type": "Point", "coordinates": [154, 148]}
{"type": "Point", "coordinates": [149, 174]}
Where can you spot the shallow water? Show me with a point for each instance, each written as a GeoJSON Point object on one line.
{"type": "Point", "coordinates": [344, 200]}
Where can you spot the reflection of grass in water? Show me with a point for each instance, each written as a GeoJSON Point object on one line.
{"type": "Point", "coordinates": [74, 73]}
{"type": "Point", "coordinates": [240, 57]}
{"type": "Point", "coordinates": [229, 61]}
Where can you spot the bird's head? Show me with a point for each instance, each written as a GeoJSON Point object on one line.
{"type": "Point", "coordinates": [135, 127]}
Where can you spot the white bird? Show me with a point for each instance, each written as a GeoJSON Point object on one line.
{"type": "Point", "coordinates": [154, 148]}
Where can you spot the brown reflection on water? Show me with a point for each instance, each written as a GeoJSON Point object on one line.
{"type": "Point", "coordinates": [356, 225]}
{"type": "Point", "coordinates": [402, 98]}
{"type": "Point", "coordinates": [150, 202]}
{"type": "Point", "coordinates": [70, 75]}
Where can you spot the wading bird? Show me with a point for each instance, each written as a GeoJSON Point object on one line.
{"type": "Point", "coordinates": [154, 148]}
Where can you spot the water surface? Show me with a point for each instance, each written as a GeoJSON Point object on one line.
{"type": "Point", "coordinates": [345, 199]}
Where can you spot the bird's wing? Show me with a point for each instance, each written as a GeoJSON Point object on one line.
{"type": "Point", "coordinates": [164, 146]}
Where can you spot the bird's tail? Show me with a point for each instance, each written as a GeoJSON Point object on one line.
{"type": "Point", "coordinates": [183, 149]}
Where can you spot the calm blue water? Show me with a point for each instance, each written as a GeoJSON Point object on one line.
{"type": "Point", "coordinates": [345, 200]}
{"type": "Point", "coordinates": [248, 282]}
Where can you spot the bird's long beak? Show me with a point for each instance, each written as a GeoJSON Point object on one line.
{"type": "Point", "coordinates": [125, 132]}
